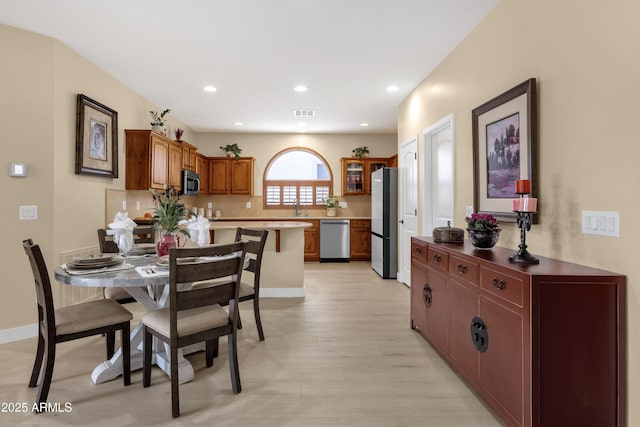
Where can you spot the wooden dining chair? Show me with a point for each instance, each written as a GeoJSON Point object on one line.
{"type": "Point", "coordinates": [69, 323]}
{"type": "Point", "coordinates": [257, 240]}
{"type": "Point", "coordinates": [195, 314]}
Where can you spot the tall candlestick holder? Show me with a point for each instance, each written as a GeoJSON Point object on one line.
{"type": "Point", "coordinates": [524, 219]}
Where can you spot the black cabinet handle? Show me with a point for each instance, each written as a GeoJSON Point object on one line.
{"type": "Point", "coordinates": [427, 294]}
{"type": "Point", "coordinates": [499, 283]}
{"type": "Point", "coordinates": [437, 258]}
{"type": "Point", "coordinates": [418, 250]}
{"type": "Point", "coordinates": [462, 268]}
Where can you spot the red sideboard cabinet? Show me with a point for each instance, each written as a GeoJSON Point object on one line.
{"type": "Point", "coordinates": [543, 345]}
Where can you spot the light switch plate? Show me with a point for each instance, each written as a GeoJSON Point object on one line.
{"type": "Point", "coordinates": [601, 223]}
{"type": "Point", "coordinates": [28, 213]}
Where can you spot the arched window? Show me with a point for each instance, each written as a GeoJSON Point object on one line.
{"type": "Point", "coordinates": [297, 175]}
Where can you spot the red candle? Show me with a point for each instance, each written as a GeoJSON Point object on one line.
{"type": "Point", "coordinates": [523, 186]}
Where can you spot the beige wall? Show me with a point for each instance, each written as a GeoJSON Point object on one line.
{"type": "Point", "coordinates": [40, 80]}
{"type": "Point", "coordinates": [584, 56]}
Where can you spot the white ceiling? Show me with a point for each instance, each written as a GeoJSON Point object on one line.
{"type": "Point", "coordinates": [256, 51]}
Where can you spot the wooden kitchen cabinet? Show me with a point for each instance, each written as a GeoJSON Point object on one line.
{"type": "Point", "coordinates": [356, 174]}
{"type": "Point", "coordinates": [228, 175]}
{"type": "Point", "coordinates": [202, 168]}
{"type": "Point", "coordinates": [189, 156]}
{"type": "Point", "coordinates": [551, 338]}
{"type": "Point", "coordinates": [175, 165]}
{"type": "Point", "coordinates": [152, 161]}
{"type": "Point", "coordinates": [312, 241]}
{"type": "Point", "coordinates": [360, 239]}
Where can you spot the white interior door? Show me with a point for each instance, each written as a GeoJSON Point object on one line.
{"type": "Point", "coordinates": [408, 202]}
{"type": "Point", "coordinates": [438, 173]}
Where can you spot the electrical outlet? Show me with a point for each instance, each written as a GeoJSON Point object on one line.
{"type": "Point", "coordinates": [124, 205]}
{"type": "Point", "coordinates": [209, 205]}
{"type": "Point", "coordinates": [137, 205]}
{"type": "Point", "coordinates": [248, 205]}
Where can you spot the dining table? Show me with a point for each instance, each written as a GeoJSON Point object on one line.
{"type": "Point", "coordinates": [148, 283]}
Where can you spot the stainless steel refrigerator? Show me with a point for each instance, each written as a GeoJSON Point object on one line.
{"type": "Point", "coordinates": [384, 222]}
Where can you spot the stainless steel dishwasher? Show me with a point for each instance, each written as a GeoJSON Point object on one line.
{"type": "Point", "coordinates": [334, 240]}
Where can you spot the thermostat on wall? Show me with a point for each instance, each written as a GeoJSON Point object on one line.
{"type": "Point", "coordinates": [18, 169]}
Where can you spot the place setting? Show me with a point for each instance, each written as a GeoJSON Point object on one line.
{"type": "Point", "coordinates": [96, 263]}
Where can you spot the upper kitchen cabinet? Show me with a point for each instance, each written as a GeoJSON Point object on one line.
{"type": "Point", "coordinates": [188, 156]}
{"type": "Point", "coordinates": [202, 168]}
{"type": "Point", "coordinates": [228, 175]}
{"type": "Point", "coordinates": [152, 161]}
{"type": "Point", "coordinates": [356, 174]}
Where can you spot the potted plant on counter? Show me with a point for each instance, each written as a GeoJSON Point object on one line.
{"type": "Point", "coordinates": [158, 121]}
{"type": "Point", "coordinates": [167, 212]}
{"type": "Point", "coordinates": [232, 150]}
{"type": "Point", "coordinates": [331, 203]}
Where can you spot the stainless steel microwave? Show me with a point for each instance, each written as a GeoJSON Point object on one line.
{"type": "Point", "coordinates": [190, 183]}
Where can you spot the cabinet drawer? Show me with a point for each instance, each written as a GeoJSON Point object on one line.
{"type": "Point", "coordinates": [360, 223]}
{"type": "Point", "coordinates": [438, 259]}
{"type": "Point", "coordinates": [502, 285]}
{"type": "Point", "coordinates": [418, 252]}
{"type": "Point", "coordinates": [464, 269]}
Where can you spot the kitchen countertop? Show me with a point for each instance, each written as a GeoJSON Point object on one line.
{"type": "Point", "coordinates": [263, 224]}
{"type": "Point", "coordinates": [286, 218]}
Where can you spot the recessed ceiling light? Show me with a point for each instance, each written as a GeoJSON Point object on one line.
{"type": "Point", "coordinates": [300, 88]}
{"type": "Point", "coordinates": [392, 88]}
{"type": "Point", "coordinates": [364, 124]}
{"type": "Point", "coordinates": [302, 124]}
{"type": "Point", "coordinates": [238, 123]}
{"type": "Point", "coordinates": [209, 89]}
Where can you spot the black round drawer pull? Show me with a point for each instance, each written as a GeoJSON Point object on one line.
{"type": "Point", "coordinates": [462, 268]}
{"type": "Point", "coordinates": [437, 258]}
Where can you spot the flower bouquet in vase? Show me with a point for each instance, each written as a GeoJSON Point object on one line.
{"type": "Point", "coordinates": [483, 230]}
{"type": "Point", "coordinates": [167, 213]}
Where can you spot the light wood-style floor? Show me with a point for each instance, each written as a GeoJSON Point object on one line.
{"type": "Point", "coordinates": [342, 356]}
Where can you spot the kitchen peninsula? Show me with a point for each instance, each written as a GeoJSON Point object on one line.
{"type": "Point", "coordinates": [282, 272]}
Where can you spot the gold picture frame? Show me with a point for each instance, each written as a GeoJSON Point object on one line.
{"type": "Point", "coordinates": [96, 138]}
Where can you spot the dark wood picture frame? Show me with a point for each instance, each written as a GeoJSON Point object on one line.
{"type": "Point", "coordinates": [96, 138]}
{"type": "Point", "coordinates": [494, 172]}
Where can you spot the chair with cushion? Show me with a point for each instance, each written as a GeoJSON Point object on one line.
{"type": "Point", "coordinates": [195, 314]}
{"type": "Point", "coordinates": [69, 323]}
{"type": "Point", "coordinates": [255, 248]}
{"type": "Point", "coordinates": [141, 234]}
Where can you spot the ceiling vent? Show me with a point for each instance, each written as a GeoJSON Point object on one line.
{"type": "Point", "coordinates": [304, 113]}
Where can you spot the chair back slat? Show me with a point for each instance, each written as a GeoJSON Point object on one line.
{"type": "Point", "coordinates": [219, 293]}
{"type": "Point", "coordinates": [44, 296]}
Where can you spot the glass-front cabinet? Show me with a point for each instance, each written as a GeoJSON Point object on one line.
{"type": "Point", "coordinates": [353, 176]}
{"type": "Point", "coordinates": [356, 174]}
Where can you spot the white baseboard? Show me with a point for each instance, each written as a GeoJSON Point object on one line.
{"type": "Point", "coordinates": [19, 333]}
{"type": "Point", "coordinates": [281, 292]}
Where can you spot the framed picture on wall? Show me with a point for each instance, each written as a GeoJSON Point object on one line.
{"type": "Point", "coordinates": [504, 149]}
{"type": "Point", "coordinates": [96, 138]}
